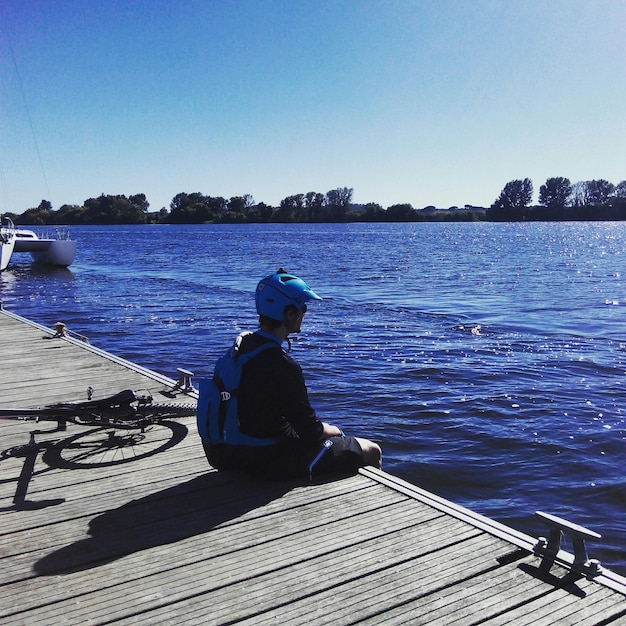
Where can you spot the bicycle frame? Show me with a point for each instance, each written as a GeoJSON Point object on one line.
{"type": "Point", "coordinates": [125, 409]}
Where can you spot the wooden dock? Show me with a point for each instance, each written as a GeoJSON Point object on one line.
{"type": "Point", "coordinates": [100, 527]}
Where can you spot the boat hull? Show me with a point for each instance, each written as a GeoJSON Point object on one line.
{"type": "Point", "coordinates": [7, 242]}
{"type": "Point", "coordinates": [59, 252]}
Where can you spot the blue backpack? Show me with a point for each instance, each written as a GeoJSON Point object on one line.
{"type": "Point", "coordinates": [217, 412]}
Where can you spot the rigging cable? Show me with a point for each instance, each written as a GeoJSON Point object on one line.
{"type": "Point", "coordinates": [28, 115]}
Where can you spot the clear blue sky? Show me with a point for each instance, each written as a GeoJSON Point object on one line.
{"type": "Point", "coordinates": [436, 102]}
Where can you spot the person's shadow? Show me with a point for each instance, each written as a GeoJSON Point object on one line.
{"type": "Point", "coordinates": [190, 508]}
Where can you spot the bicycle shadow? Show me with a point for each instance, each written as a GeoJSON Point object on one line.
{"type": "Point", "coordinates": [185, 510]}
{"type": "Point", "coordinates": [85, 453]}
{"type": "Point", "coordinates": [21, 502]}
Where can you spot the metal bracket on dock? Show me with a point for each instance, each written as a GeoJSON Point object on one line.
{"type": "Point", "coordinates": [61, 330]}
{"type": "Point", "coordinates": [549, 548]}
{"type": "Point", "coordinates": [184, 380]}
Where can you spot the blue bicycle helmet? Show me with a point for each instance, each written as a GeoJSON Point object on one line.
{"type": "Point", "coordinates": [279, 290]}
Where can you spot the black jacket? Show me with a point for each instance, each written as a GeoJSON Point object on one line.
{"type": "Point", "coordinates": [273, 398]}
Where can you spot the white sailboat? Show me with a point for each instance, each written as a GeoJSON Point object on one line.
{"type": "Point", "coordinates": [59, 250]}
{"type": "Point", "coordinates": [7, 241]}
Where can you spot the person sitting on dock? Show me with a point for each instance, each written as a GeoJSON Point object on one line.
{"type": "Point", "coordinates": [274, 432]}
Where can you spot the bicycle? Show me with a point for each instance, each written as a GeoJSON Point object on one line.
{"type": "Point", "coordinates": [148, 428]}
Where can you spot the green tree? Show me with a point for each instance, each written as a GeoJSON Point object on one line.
{"type": "Point", "coordinates": [620, 190]}
{"type": "Point", "coordinates": [401, 213]}
{"type": "Point", "coordinates": [291, 209]}
{"type": "Point", "coordinates": [237, 210]}
{"type": "Point", "coordinates": [265, 211]}
{"type": "Point", "coordinates": [579, 197]}
{"type": "Point", "coordinates": [140, 201]}
{"type": "Point", "coordinates": [71, 214]}
{"type": "Point", "coordinates": [591, 193]}
{"type": "Point", "coordinates": [157, 217]}
{"type": "Point", "coordinates": [45, 205]}
{"type": "Point", "coordinates": [217, 206]}
{"type": "Point", "coordinates": [98, 210]}
{"type": "Point", "coordinates": [373, 212]}
{"type": "Point", "coordinates": [314, 205]}
{"type": "Point", "coordinates": [516, 193]}
{"type": "Point", "coordinates": [196, 208]}
{"type": "Point", "coordinates": [338, 202]}
{"type": "Point", "coordinates": [240, 204]}
{"type": "Point", "coordinates": [617, 201]}
{"type": "Point", "coordinates": [599, 191]}
{"type": "Point", "coordinates": [32, 217]}
{"type": "Point", "coordinates": [40, 216]}
{"type": "Point", "coordinates": [512, 201]}
{"type": "Point", "coordinates": [107, 209]}
{"type": "Point", "coordinates": [554, 195]}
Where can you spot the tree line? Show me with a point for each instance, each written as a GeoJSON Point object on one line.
{"type": "Point", "coordinates": [558, 200]}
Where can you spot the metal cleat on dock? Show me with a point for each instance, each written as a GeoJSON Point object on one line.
{"type": "Point", "coordinates": [550, 547]}
{"type": "Point", "coordinates": [184, 380]}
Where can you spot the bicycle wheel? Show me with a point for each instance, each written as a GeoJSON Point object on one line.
{"type": "Point", "coordinates": [105, 447]}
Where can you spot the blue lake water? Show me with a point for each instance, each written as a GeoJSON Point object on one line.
{"type": "Point", "coordinates": [488, 360]}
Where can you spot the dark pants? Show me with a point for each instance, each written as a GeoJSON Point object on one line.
{"type": "Point", "coordinates": [289, 459]}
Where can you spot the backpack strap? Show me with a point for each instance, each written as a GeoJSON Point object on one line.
{"type": "Point", "coordinates": [217, 408]}
{"type": "Point", "coordinates": [231, 433]}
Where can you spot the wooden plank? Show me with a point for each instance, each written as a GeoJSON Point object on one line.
{"type": "Point", "coordinates": [185, 583]}
{"type": "Point", "coordinates": [61, 369]}
{"type": "Point", "coordinates": [259, 545]}
{"type": "Point", "coordinates": [326, 589]}
{"type": "Point", "coordinates": [368, 592]}
{"type": "Point", "coordinates": [182, 504]}
{"type": "Point", "coordinates": [582, 602]}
